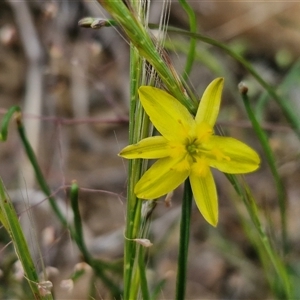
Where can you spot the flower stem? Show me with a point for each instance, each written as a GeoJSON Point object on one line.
{"type": "Point", "coordinates": [184, 240]}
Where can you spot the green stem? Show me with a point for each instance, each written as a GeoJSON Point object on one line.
{"type": "Point", "coordinates": [271, 161]}
{"type": "Point", "coordinates": [184, 241]}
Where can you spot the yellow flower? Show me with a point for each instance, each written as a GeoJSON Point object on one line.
{"type": "Point", "coordinates": [188, 148]}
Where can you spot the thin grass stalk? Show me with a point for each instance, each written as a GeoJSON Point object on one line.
{"type": "Point", "coordinates": [252, 209]}
{"type": "Point", "coordinates": [193, 42]}
{"type": "Point", "coordinates": [184, 238]}
{"type": "Point", "coordinates": [271, 162]}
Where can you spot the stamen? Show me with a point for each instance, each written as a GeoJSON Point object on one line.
{"type": "Point", "coordinates": [220, 155]}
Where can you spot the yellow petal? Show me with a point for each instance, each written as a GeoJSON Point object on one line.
{"type": "Point", "coordinates": [162, 178]}
{"type": "Point", "coordinates": [232, 156]}
{"type": "Point", "coordinates": [166, 113]}
{"type": "Point", "coordinates": [208, 109]}
{"type": "Point", "coordinates": [148, 148]}
{"type": "Point", "coordinates": [205, 194]}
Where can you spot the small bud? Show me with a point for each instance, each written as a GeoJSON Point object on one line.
{"type": "Point", "coordinates": [95, 23]}
{"type": "Point", "coordinates": [243, 89]}
{"type": "Point", "coordinates": [144, 242]}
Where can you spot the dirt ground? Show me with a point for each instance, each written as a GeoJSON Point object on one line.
{"type": "Point", "coordinates": [72, 86]}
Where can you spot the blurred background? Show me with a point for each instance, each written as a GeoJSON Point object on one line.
{"type": "Point", "coordinates": [72, 84]}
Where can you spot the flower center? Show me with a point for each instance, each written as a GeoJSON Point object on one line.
{"type": "Point", "coordinates": [192, 148]}
{"type": "Point", "coordinates": [195, 145]}
{"type": "Point", "coordinates": [197, 149]}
